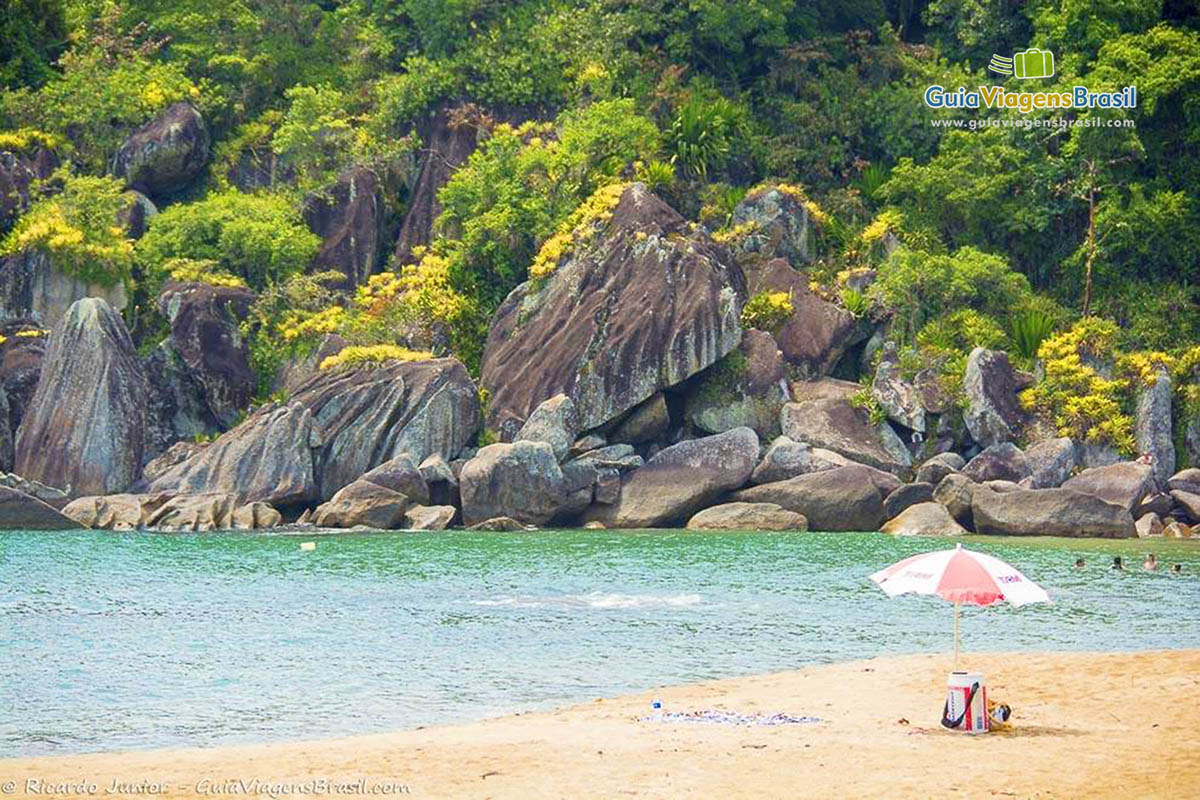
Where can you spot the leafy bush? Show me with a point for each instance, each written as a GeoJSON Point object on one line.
{"type": "Point", "coordinates": [767, 311]}
{"type": "Point", "coordinates": [918, 286]}
{"type": "Point", "coordinates": [1028, 328]}
{"type": "Point", "coordinates": [702, 134]}
{"type": "Point", "coordinates": [190, 270]}
{"type": "Point", "coordinates": [372, 355]}
{"type": "Point", "coordinates": [79, 230]}
{"type": "Point", "coordinates": [257, 237]}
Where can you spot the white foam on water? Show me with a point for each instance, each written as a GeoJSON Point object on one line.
{"type": "Point", "coordinates": [591, 600]}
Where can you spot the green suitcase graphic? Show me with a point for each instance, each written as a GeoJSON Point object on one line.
{"type": "Point", "coordinates": [1033, 63]}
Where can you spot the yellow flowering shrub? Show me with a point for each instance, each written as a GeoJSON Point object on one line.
{"type": "Point", "coordinates": [1082, 403]}
{"type": "Point", "coordinates": [578, 229]}
{"type": "Point", "coordinates": [201, 270]}
{"type": "Point", "coordinates": [301, 325]}
{"type": "Point", "coordinates": [1143, 367]}
{"type": "Point", "coordinates": [376, 354]}
{"type": "Point", "coordinates": [28, 138]}
{"type": "Point", "coordinates": [767, 311]}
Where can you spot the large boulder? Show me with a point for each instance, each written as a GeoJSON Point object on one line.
{"type": "Point", "coordinates": [1048, 512]}
{"type": "Point", "coordinates": [114, 512]}
{"type": "Point", "coordinates": [841, 499]}
{"type": "Point", "coordinates": [429, 518]}
{"type": "Point", "coordinates": [955, 492]}
{"type": "Point", "coordinates": [784, 459]}
{"type": "Point", "coordinates": [679, 480]}
{"type": "Point", "coordinates": [998, 462]}
{"type": "Point", "coordinates": [167, 153]}
{"type": "Point", "coordinates": [1189, 502]}
{"type": "Point", "coordinates": [746, 389]}
{"type": "Point", "coordinates": [85, 427]}
{"type": "Point", "coordinates": [823, 416]}
{"type": "Point", "coordinates": [19, 511]}
{"type": "Point", "coordinates": [337, 426]}
{"type": "Point", "coordinates": [20, 170]}
{"type": "Point", "coordinates": [647, 422]}
{"type": "Point", "coordinates": [909, 494]}
{"type": "Point", "coordinates": [1050, 462]}
{"type": "Point", "coordinates": [22, 352]}
{"type": "Point", "coordinates": [521, 480]}
{"type": "Point", "coordinates": [994, 413]}
{"type": "Point", "coordinates": [747, 517]}
{"type": "Point", "coordinates": [552, 422]}
{"type": "Point", "coordinates": [778, 221]}
{"type": "Point", "coordinates": [206, 335]}
{"type": "Point", "coordinates": [898, 398]}
{"type": "Point", "coordinates": [32, 287]}
{"type": "Point", "coordinates": [818, 333]}
{"type": "Point", "coordinates": [211, 511]}
{"type": "Point", "coordinates": [1124, 484]}
{"type": "Point", "coordinates": [644, 304]}
{"type": "Point", "coordinates": [924, 519]}
{"type": "Point", "coordinates": [363, 503]}
{"type": "Point", "coordinates": [401, 475]}
{"type": "Point", "coordinates": [1187, 480]}
{"type": "Point", "coordinates": [349, 217]}
{"type": "Point", "coordinates": [1153, 428]}
{"type": "Point", "coordinates": [938, 467]}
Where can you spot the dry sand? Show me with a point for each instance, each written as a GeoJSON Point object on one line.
{"type": "Point", "coordinates": [1085, 725]}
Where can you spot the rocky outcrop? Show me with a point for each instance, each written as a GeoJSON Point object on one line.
{"type": "Point", "coordinates": [1189, 502]}
{"type": "Point", "coordinates": [114, 512]}
{"type": "Point", "coordinates": [350, 217]}
{"type": "Point", "coordinates": [898, 398]}
{"type": "Point", "coordinates": [268, 458]}
{"type": "Point", "coordinates": [255, 516]}
{"type": "Point", "coordinates": [521, 480]}
{"type": "Point", "coordinates": [429, 518]}
{"type": "Point", "coordinates": [19, 171]}
{"type": "Point", "coordinates": [166, 154]}
{"type": "Point", "coordinates": [780, 224]}
{"type": "Point", "coordinates": [31, 287]}
{"type": "Point", "coordinates": [200, 377]}
{"type": "Point", "coordinates": [448, 137]}
{"type": "Point", "coordinates": [1048, 512]}
{"type": "Point", "coordinates": [84, 430]}
{"type": "Point", "coordinates": [552, 422]}
{"type": "Point", "coordinates": [19, 511]}
{"type": "Point", "coordinates": [784, 459]}
{"type": "Point", "coordinates": [818, 333]}
{"type": "Point", "coordinates": [910, 494]}
{"type": "Point", "coordinates": [1124, 484]}
{"type": "Point", "coordinates": [746, 389]}
{"type": "Point", "coordinates": [336, 427]}
{"type": "Point", "coordinates": [1050, 462]}
{"type": "Point", "coordinates": [994, 413]}
{"type": "Point", "coordinates": [823, 416]}
{"type": "Point", "coordinates": [1148, 525]}
{"type": "Point", "coordinates": [679, 480]}
{"type": "Point", "coordinates": [21, 355]}
{"type": "Point", "coordinates": [841, 499]}
{"type": "Point", "coordinates": [1153, 428]}
{"type": "Point", "coordinates": [999, 462]}
{"type": "Point", "coordinates": [500, 525]}
{"type": "Point", "coordinates": [646, 304]}
{"type": "Point", "coordinates": [1187, 480]}
{"type": "Point", "coordinates": [924, 519]}
{"type": "Point", "coordinates": [747, 517]}
{"type": "Point", "coordinates": [363, 503]}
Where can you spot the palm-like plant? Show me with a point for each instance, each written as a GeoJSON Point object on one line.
{"type": "Point", "coordinates": [1028, 329]}
{"type": "Point", "coordinates": [700, 136]}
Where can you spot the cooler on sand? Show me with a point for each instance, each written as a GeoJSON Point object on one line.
{"type": "Point", "coordinates": [966, 703]}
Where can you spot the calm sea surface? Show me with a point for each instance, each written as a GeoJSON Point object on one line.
{"type": "Point", "coordinates": [116, 641]}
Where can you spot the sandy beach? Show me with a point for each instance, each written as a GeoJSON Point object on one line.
{"type": "Point", "coordinates": [1085, 725]}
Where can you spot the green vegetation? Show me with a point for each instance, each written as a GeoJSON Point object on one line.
{"type": "Point", "coordinates": [999, 237]}
{"type": "Point", "coordinates": [768, 311]}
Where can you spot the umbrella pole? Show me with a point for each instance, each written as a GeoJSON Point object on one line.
{"type": "Point", "coordinates": [956, 608]}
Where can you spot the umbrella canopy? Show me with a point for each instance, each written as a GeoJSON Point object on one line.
{"type": "Point", "coordinates": [960, 576]}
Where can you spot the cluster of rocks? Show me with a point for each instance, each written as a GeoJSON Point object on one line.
{"type": "Point", "coordinates": [622, 389]}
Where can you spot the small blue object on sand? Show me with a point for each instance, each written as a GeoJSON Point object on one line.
{"type": "Point", "coordinates": [729, 718]}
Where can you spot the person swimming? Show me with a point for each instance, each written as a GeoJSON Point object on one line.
{"type": "Point", "coordinates": [1080, 563]}
{"type": "Point", "coordinates": [1177, 568]}
{"type": "Point", "coordinates": [1151, 563]}
{"type": "Point", "coordinates": [1118, 563]}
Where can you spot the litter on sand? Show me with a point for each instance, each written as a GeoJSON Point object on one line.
{"type": "Point", "coordinates": [729, 718]}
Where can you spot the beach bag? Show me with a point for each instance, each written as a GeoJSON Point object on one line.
{"type": "Point", "coordinates": [966, 703]}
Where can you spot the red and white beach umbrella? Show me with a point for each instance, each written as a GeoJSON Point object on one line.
{"type": "Point", "coordinates": [960, 576]}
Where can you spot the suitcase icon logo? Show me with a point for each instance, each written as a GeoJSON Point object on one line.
{"type": "Point", "coordinates": [1031, 63]}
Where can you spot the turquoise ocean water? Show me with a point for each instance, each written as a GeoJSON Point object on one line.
{"type": "Point", "coordinates": [117, 641]}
